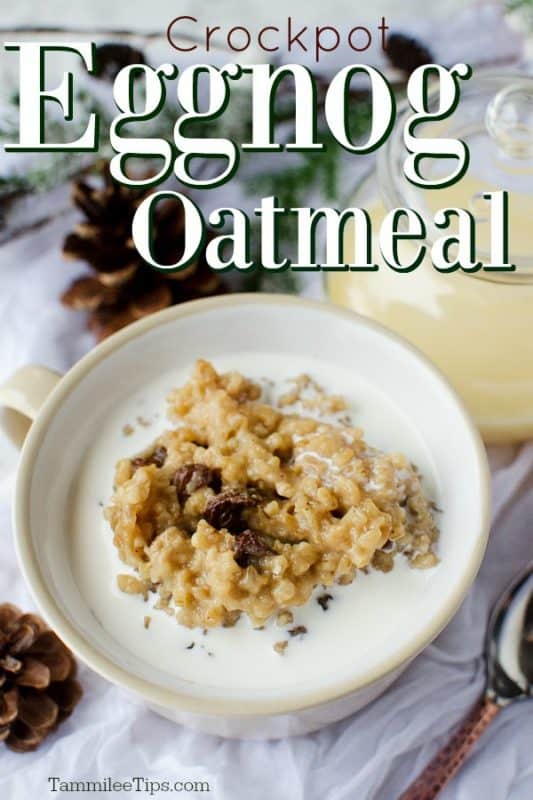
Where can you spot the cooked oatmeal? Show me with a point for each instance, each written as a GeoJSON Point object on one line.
{"type": "Point", "coordinates": [246, 507]}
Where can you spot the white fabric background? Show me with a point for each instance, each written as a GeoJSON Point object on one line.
{"type": "Point", "coordinates": [370, 756]}
{"type": "Point", "coordinates": [154, 15]}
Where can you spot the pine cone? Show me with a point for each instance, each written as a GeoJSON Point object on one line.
{"type": "Point", "coordinates": [123, 287]}
{"type": "Point", "coordinates": [38, 688]}
{"type": "Point", "coordinates": [111, 57]}
{"type": "Point", "coordinates": [407, 53]}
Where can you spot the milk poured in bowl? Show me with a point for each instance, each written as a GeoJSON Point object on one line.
{"type": "Point", "coordinates": [361, 621]}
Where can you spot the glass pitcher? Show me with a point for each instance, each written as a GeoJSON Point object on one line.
{"type": "Point", "coordinates": [477, 327]}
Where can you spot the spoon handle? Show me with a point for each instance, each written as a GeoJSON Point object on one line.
{"type": "Point", "coordinates": [448, 760]}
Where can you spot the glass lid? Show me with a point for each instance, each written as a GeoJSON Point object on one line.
{"type": "Point", "coordinates": [494, 118]}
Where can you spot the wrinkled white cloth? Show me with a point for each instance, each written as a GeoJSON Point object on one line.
{"type": "Point", "coordinates": [374, 754]}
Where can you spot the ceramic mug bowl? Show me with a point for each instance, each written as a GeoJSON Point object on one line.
{"type": "Point", "coordinates": [69, 412]}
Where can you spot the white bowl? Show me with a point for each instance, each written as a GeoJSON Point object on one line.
{"type": "Point", "coordinates": [422, 403]}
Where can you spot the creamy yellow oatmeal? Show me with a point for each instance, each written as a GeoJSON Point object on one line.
{"type": "Point", "coordinates": [247, 507]}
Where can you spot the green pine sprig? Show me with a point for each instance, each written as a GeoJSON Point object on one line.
{"type": "Point", "coordinates": [513, 5]}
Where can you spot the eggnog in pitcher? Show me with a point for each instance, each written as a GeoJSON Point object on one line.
{"type": "Point", "coordinates": [477, 327]}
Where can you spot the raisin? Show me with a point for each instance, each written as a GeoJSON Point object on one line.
{"type": "Point", "coordinates": [158, 457]}
{"type": "Point", "coordinates": [298, 630]}
{"type": "Point", "coordinates": [250, 545]}
{"type": "Point", "coordinates": [191, 477]}
{"type": "Point", "coordinates": [324, 599]}
{"type": "Point", "coordinates": [225, 509]}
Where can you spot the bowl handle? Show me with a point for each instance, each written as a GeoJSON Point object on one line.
{"type": "Point", "coordinates": [21, 397]}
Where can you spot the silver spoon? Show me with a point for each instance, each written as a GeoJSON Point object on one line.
{"type": "Point", "coordinates": [509, 657]}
